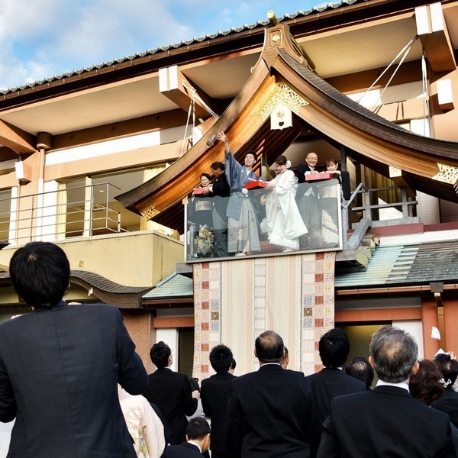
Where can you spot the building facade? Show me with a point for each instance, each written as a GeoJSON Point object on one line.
{"type": "Point", "coordinates": [100, 161]}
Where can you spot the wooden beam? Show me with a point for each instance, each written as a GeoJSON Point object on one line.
{"type": "Point", "coordinates": [144, 124]}
{"type": "Point", "coordinates": [179, 322]}
{"type": "Point", "coordinates": [174, 85]}
{"type": "Point", "coordinates": [388, 314]}
{"type": "Point", "coordinates": [434, 37]}
{"type": "Point", "coordinates": [16, 139]}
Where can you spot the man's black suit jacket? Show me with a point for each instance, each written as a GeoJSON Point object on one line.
{"type": "Point", "coordinates": [448, 403]}
{"type": "Point", "coordinates": [172, 393]}
{"type": "Point", "coordinates": [221, 191]}
{"type": "Point", "coordinates": [59, 370]}
{"type": "Point", "coordinates": [300, 172]}
{"type": "Point", "coordinates": [184, 450]}
{"type": "Point", "coordinates": [324, 386]}
{"type": "Point", "coordinates": [268, 414]}
{"type": "Point", "coordinates": [385, 422]}
{"type": "Point", "coordinates": [214, 394]}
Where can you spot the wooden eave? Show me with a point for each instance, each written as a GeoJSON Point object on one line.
{"type": "Point", "coordinates": [16, 139]}
{"type": "Point", "coordinates": [369, 138]}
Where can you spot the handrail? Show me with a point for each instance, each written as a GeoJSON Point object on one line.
{"type": "Point", "coordinates": [60, 219]}
{"type": "Point", "coordinates": [367, 208]}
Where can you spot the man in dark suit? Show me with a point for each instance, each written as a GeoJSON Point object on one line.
{"type": "Point", "coordinates": [387, 421]}
{"type": "Point", "coordinates": [360, 368]}
{"type": "Point", "coordinates": [285, 362]}
{"type": "Point", "coordinates": [197, 441]}
{"type": "Point", "coordinates": [330, 381]}
{"type": "Point", "coordinates": [221, 192]}
{"type": "Point", "coordinates": [60, 366]}
{"type": "Point", "coordinates": [268, 413]}
{"type": "Point", "coordinates": [171, 392]}
{"type": "Point", "coordinates": [307, 203]}
{"type": "Point", "coordinates": [215, 394]}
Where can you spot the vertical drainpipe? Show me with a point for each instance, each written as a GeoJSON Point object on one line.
{"type": "Point", "coordinates": [44, 141]}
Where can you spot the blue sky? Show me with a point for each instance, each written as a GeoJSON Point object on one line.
{"type": "Point", "coordinates": [43, 38]}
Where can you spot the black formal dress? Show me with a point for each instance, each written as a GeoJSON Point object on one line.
{"type": "Point", "coordinates": [269, 415]}
{"type": "Point", "coordinates": [184, 450]}
{"type": "Point", "coordinates": [221, 192]}
{"type": "Point", "coordinates": [324, 386]}
{"type": "Point", "coordinates": [172, 393]}
{"type": "Point", "coordinates": [448, 403]}
{"type": "Point", "coordinates": [214, 395]}
{"type": "Point", "coordinates": [385, 422]}
{"type": "Point", "coordinates": [59, 370]}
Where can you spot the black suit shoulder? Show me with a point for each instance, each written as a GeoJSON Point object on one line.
{"type": "Point", "coordinates": [184, 450]}
{"type": "Point", "coordinates": [221, 186]}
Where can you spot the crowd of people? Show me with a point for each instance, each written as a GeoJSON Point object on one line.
{"type": "Point", "coordinates": [336, 412]}
{"type": "Point", "coordinates": [296, 210]}
{"type": "Point", "coordinates": [75, 387]}
{"type": "Point", "coordinates": [276, 411]}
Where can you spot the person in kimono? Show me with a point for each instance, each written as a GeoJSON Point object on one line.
{"type": "Point", "coordinates": [284, 222]}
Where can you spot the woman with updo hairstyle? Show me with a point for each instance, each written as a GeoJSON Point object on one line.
{"type": "Point", "coordinates": [425, 385]}
{"type": "Point", "coordinates": [284, 222]}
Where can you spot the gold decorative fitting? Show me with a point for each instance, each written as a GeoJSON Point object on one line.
{"type": "Point", "coordinates": [282, 94]}
{"type": "Point", "coordinates": [150, 212]}
{"type": "Point", "coordinates": [447, 174]}
{"type": "Point", "coordinates": [276, 37]}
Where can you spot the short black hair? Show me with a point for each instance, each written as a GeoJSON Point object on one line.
{"type": "Point", "coordinates": [221, 358]}
{"type": "Point", "coordinates": [361, 369]}
{"type": "Point", "coordinates": [218, 165]}
{"type": "Point", "coordinates": [448, 366]}
{"type": "Point", "coordinates": [159, 354]}
{"type": "Point", "coordinates": [269, 347]}
{"type": "Point", "coordinates": [334, 347]}
{"type": "Point", "coordinates": [197, 428]}
{"type": "Point", "coordinates": [253, 153]}
{"type": "Point", "coordinates": [40, 273]}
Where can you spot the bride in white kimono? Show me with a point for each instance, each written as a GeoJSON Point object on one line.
{"type": "Point", "coordinates": [284, 222]}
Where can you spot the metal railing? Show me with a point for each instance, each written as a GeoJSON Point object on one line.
{"type": "Point", "coordinates": [367, 220]}
{"type": "Point", "coordinates": [79, 211]}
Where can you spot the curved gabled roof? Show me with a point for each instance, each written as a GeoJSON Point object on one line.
{"type": "Point", "coordinates": [367, 137]}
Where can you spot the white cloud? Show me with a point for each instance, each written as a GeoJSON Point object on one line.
{"type": "Point", "coordinates": [43, 38]}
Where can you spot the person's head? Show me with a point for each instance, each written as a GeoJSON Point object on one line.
{"type": "Point", "coordinates": [447, 366]}
{"type": "Point", "coordinates": [331, 165]}
{"type": "Point", "coordinates": [285, 359]}
{"type": "Point", "coordinates": [311, 159]}
{"type": "Point", "coordinates": [161, 355]}
{"type": "Point", "coordinates": [425, 384]}
{"type": "Point", "coordinates": [394, 354]}
{"type": "Point", "coordinates": [233, 365]}
{"type": "Point", "coordinates": [281, 162]}
{"type": "Point", "coordinates": [221, 358]}
{"type": "Point", "coordinates": [218, 168]}
{"type": "Point", "coordinates": [250, 159]}
{"type": "Point", "coordinates": [334, 347]}
{"type": "Point", "coordinates": [269, 347]}
{"type": "Point", "coordinates": [361, 369]}
{"type": "Point", "coordinates": [40, 273]}
{"type": "Point", "coordinates": [205, 179]}
{"type": "Point", "coordinates": [198, 430]}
